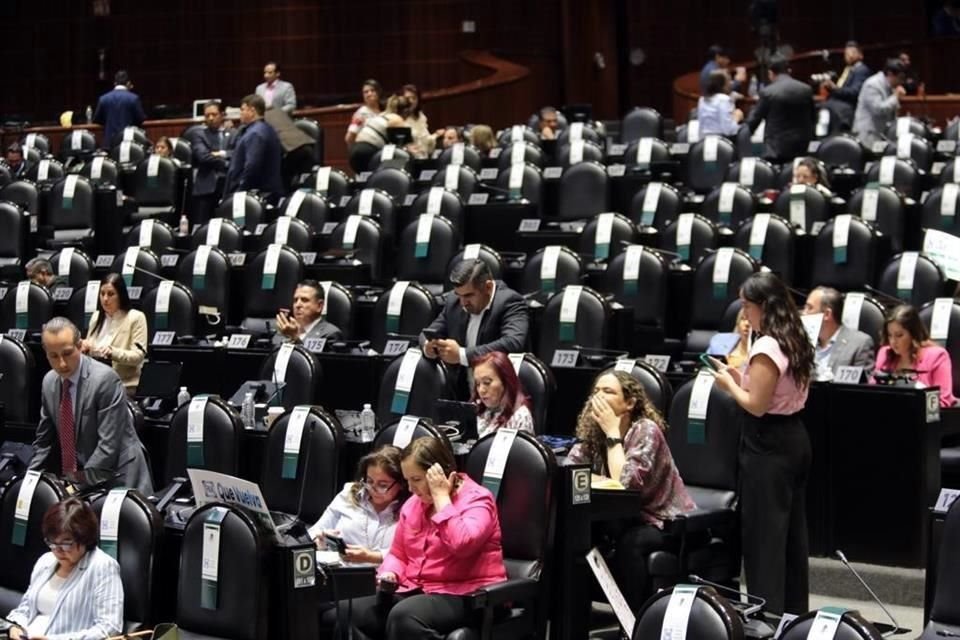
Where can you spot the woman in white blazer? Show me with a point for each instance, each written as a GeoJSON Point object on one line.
{"type": "Point", "coordinates": [75, 590]}
{"type": "Point", "coordinates": [117, 333]}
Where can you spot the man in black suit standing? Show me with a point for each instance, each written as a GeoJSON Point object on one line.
{"type": "Point", "coordinates": [845, 92]}
{"type": "Point", "coordinates": [485, 315]}
{"type": "Point", "coordinates": [787, 106]}
{"type": "Point", "coordinates": [256, 157]}
{"type": "Point", "coordinates": [118, 109]}
{"type": "Point", "coordinates": [210, 155]}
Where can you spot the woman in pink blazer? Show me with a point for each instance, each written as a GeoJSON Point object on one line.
{"type": "Point", "coordinates": [907, 347]}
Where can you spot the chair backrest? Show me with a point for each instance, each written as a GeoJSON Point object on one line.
{"type": "Point", "coordinates": [426, 246]}
{"type": "Point", "coordinates": [246, 209]}
{"type": "Point", "coordinates": [415, 308]}
{"type": "Point", "coordinates": [101, 170]}
{"type": "Point", "coordinates": [711, 617]}
{"type": "Point", "coordinates": [313, 129]}
{"type": "Point", "coordinates": [585, 131]}
{"type": "Point", "coordinates": [389, 433]}
{"type": "Point", "coordinates": [46, 170]}
{"type": "Point", "coordinates": [772, 244]}
{"type": "Point", "coordinates": [914, 147]}
{"type": "Point", "coordinates": [139, 526]}
{"type": "Point", "coordinates": [38, 304]}
{"type": "Point", "coordinates": [583, 191]}
{"type": "Point", "coordinates": [73, 266]}
{"type": "Point", "coordinates": [870, 317]}
{"type": "Point", "coordinates": [309, 206]}
{"type": "Point", "coordinates": [755, 174]}
{"type": "Point", "coordinates": [729, 205]}
{"type": "Point", "coordinates": [301, 379]}
{"type": "Point", "coordinates": [223, 233]}
{"type": "Point", "coordinates": [577, 152]}
{"type": "Point", "coordinates": [263, 292]}
{"type": "Point", "coordinates": [338, 307]}
{"type": "Point", "coordinates": [913, 278]}
{"type": "Point", "coordinates": [708, 161]}
{"type": "Point", "coordinates": [940, 209]}
{"type": "Point", "coordinates": [587, 330]}
{"type": "Point", "coordinates": [655, 385]}
{"type": "Point", "coordinates": [606, 235]}
{"type": "Point", "coordinates": [212, 288]}
{"type": "Point", "coordinates": [640, 153]}
{"type": "Point", "coordinates": [329, 183]}
{"type": "Point", "coordinates": [390, 156]}
{"type": "Point", "coordinates": [82, 304]}
{"type": "Point", "coordinates": [950, 171]}
{"type": "Point", "coordinates": [458, 178]}
{"type": "Point", "coordinates": [539, 385]}
{"type": "Point", "coordinates": [71, 211]}
{"type": "Point", "coordinates": [146, 263]}
{"type": "Point", "coordinates": [489, 255]}
{"type": "Point", "coordinates": [531, 181]}
{"type": "Point", "coordinates": [520, 132]}
{"type": "Point", "coordinates": [392, 180]}
{"type": "Point", "coordinates": [951, 342]}
{"type": "Point", "coordinates": [305, 486]}
{"type": "Point", "coordinates": [364, 237]}
{"type": "Point", "coordinates": [460, 154]}
{"type": "Point", "coordinates": [16, 371]}
{"type": "Point", "coordinates": [152, 234]}
{"type": "Point", "coordinates": [655, 205]}
{"type": "Point", "coordinates": [641, 122]}
{"type": "Point", "coordinates": [848, 268]}
{"type": "Point", "coordinates": [24, 194]}
{"type": "Point", "coordinates": [803, 205]}
{"type": "Point", "coordinates": [899, 173]}
{"type": "Point", "coordinates": [79, 144]}
{"type": "Point", "coordinates": [5, 177]}
{"type": "Point", "coordinates": [947, 591]}
{"type": "Point", "coordinates": [852, 626]}
{"type": "Point", "coordinates": [36, 141]}
{"type": "Point", "coordinates": [376, 204]}
{"type": "Point", "coordinates": [17, 559]}
{"type": "Point", "coordinates": [638, 278]}
{"type": "Point", "coordinates": [841, 151]}
{"type": "Point", "coordinates": [241, 610]}
{"type": "Point", "coordinates": [885, 209]}
{"type": "Point", "coordinates": [557, 261]}
{"type": "Point", "coordinates": [220, 448]}
{"type": "Point", "coordinates": [442, 202]}
{"type": "Point", "coordinates": [523, 152]}
{"type": "Point", "coordinates": [14, 228]}
{"type": "Point", "coordinates": [182, 150]}
{"type": "Point", "coordinates": [290, 232]}
{"type": "Point", "coordinates": [169, 306]}
{"type": "Point", "coordinates": [128, 152]}
{"type": "Point", "coordinates": [430, 383]}
{"type": "Point", "coordinates": [690, 236]}
{"type": "Point", "coordinates": [716, 283]}
{"type": "Point", "coordinates": [155, 182]}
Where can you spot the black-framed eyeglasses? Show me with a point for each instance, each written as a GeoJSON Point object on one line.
{"type": "Point", "coordinates": [60, 546]}
{"type": "Point", "coordinates": [379, 487]}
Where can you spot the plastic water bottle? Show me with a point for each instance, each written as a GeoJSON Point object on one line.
{"type": "Point", "coordinates": [248, 412]}
{"type": "Point", "coordinates": [752, 90]}
{"type": "Point", "coordinates": [368, 424]}
{"type": "Point", "coordinates": [183, 397]}
{"type": "Point", "coordinates": [89, 114]}
{"type": "Point", "coordinates": [184, 225]}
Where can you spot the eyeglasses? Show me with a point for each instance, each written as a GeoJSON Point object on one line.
{"type": "Point", "coordinates": [379, 487]}
{"type": "Point", "coordinates": [59, 546]}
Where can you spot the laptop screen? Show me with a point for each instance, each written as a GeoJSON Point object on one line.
{"type": "Point", "coordinates": [159, 380]}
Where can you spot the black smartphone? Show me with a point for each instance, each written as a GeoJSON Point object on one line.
{"type": "Point", "coordinates": [336, 542]}
{"type": "Point", "coordinates": [707, 362]}
{"type": "Point", "coordinates": [431, 334]}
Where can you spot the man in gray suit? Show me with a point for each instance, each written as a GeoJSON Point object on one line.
{"type": "Point", "coordinates": [787, 107]}
{"type": "Point", "coordinates": [307, 319]}
{"type": "Point", "coordinates": [878, 103]}
{"type": "Point", "coordinates": [837, 345]}
{"type": "Point", "coordinates": [85, 425]}
{"type": "Point", "coordinates": [277, 93]}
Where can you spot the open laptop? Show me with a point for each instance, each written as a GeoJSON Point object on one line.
{"type": "Point", "coordinates": [463, 413]}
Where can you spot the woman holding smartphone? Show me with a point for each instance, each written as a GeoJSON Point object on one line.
{"type": "Point", "coordinates": [775, 447]}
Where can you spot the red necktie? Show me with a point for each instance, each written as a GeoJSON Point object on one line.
{"type": "Point", "coordinates": [68, 438]}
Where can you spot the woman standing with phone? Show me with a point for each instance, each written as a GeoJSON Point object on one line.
{"type": "Point", "coordinates": [775, 447]}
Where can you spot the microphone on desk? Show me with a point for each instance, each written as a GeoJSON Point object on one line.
{"type": "Point", "coordinates": [884, 296]}
{"type": "Point", "coordinates": [736, 593]}
{"type": "Point", "coordinates": [843, 559]}
{"type": "Point", "coordinates": [213, 316]}
{"type": "Point", "coordinates": [627, 243]}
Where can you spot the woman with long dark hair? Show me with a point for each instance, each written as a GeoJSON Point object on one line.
{"type": "Point", "coordinates": [117, 332]}
{"type": "Point", "coordinates": [500, 401]}
{"type": "Point", "coordinates": [775, 447]}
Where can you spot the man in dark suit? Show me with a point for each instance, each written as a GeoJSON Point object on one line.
{"type": "Point", "coordinates": [85, 425]}
{"type": "Point", "coordinates": [485, 315]}
{"type": "Point", "coordinates": [307, 319]}
{"type": "Point", "coordinates": [16, 161]}
{"type": "Point", "coordinates": [211, 152]}
{"type": "Point", "coordinates": [787, 106]}
{"type": "Point", "coordinates": [118, 109]}
{"type": "Point", "coordinates": [845, 92]}
{"type": "Point", "coordinates": [837, 345]}
{"type": "Point", "coordinates": [255, 162]}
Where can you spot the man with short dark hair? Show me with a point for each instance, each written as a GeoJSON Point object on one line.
{"type": "Point", "coordinates": [85, 426]}
{"type": "Point", "coordinates": [118, 109]}
{"type": "Point", "coordinates": [255, 162]}
{"type": "Point", "coordinates": [483, 315]}
{"type": "Point", "coordinates": [845, 92]}
{"type": "Point", "coordinates": [787, 106]}
{"type": "Point", "coordinates": [16, 161]}
{"type": "Point", "coordinates": [837, 345]}
{"type": "Point", "coordinates": [878, 103]}
{"type": "Point", "coordinates": [276, 93]}
{"type": "Point", "coordinates": [719, 58]}
{"type": "Point", "coordinates": [549, 123]}
{"type": "Point", "coordinates": [211, 150]}
{"type": "Point", "coordinates": [306, 320]}
{"type": "Point", "coordinates": [40, 271]}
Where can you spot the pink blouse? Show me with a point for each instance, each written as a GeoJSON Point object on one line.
{"type": "Point", "coordinates": [454, 551]}
{"type": "Point", "coordinates": [787, 398]}
{"type": "Point", "coordinates": [934, 369]}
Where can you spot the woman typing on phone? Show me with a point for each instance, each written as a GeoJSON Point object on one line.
{"type": "Point", "coordinates": [447, 544]}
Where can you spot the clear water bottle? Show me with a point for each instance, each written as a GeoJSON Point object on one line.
{"type": "Point", "coordinates": [368, 424]}
{"type": "Point", "coordinates": [248, 412]}
{"type": "Point", "coordinates": [753, 89]}
{"type": "Point", "coordinates": [183, 397]}
{"type": "Point", "coordinates": [89, 114]}
{"type": "Point", "coordinates": [184, 225]}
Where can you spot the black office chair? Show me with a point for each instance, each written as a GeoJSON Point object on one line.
{"type": "Point", "coordinates": [220, 448]}
{"type": "Point", "coordinates": [39, 307]}
{"type": "Point", "coordinates": [925, 282]}
{"type": "Point", "coordinates": [138, 532]}
{"type": "Point", "coordinates": [182, 149]}
{"type": "Point", "coordinates": [241, 610]}
{"type": "Point", "coordinates": [390, 156]}
{"type": "Point", "coordinates": [804, 206]}
{"type": "Point", "coordinates": [417, 310]}
{"type": "Point", "coordinates": [46, 171]}
{"type": "Point", "coordinates": [264, 293]}
{"type": "Point", "coordinates": [156, 189]}
{"type": "Point", "coordinates": [17, 556]}
{"type": "Point", "coordinates": [155, 235]}
{"type": "Point", "coordinates": [711, 299]}
{"type": "Point", "coordinates": [128, 154]}
{"type": "Point", "coordinates": [392, 180]}
{"type": "Point", "coordinates": [303, 486]}
{"type": "Point", "coordinates": [313, 129]}
{"type": "Point", "coordinates": [728, 206]}
{"type": "Point", "coordinates": [755, 174]}
{"type": "Point", "coordinates": [950, 172]}
{"type": "Point", "coordinates": [36, 141]}
{"type": "Point", "coordinates": [520, 133]}
{"type": "Point", "coordinates": [567, 267]}
{"type": "Point", "coordinates": [644, 151]}
{"type": "Point", "coordinates": [363, 237]}
{"type": "Point", "coordinates": [222, 233]}
{"type": "Point", "coordinates": [82, 304]}
{"type": "Point", "coordinates": [308, 206]}
{"type": "Point", "coordinates": [14, 230]}
{"type": "Point", "coordinates": [78, 145]}
{"type": "Point", "coordinates": [712, 617]}
{"type": "Point", "coordinates": [655, 205]}
{"type": "Point", "coordinates": [655, 385]}
{"type": "Point", "coordinates": [583, 191]}
{"type": "Point", "coordinates": [845, 272]}
{"type": "Point", "coordinates": [852, 626]}
{"type": "Point", "coordinates": [916, 148]}
{"type": "Point", "coordinates": [776, 248]}
{"type": "Point", "coordinates": [5, 177]}
{"type": "Point", "coordinates": [586, 131]}
{"type": "Point", "coordinates": [943, 612]}
{"type": "Point", "coordinates": [645, 291]}
{"type": "Point", "coordinates": [606, 236]}
{"type": "Point", "coordinates": [289, 232]}
{"type": "Point", "coordinates": [16, 371]}
{"type": "Point", "coordinates": [211, 289]}
{"type": "Point", "coordinates": [841, 152]}
{"type": "Point", "coordinates": [885, 209]}
{"type": "Point", "coordinates": [136, 265]}
{"type": "Point", "coordinates": [526, 506]}
{"type": "Point", "coordinates": [703, 237]}
{"type": "Point", "coordinates": [426, 262]}
{"type": "Point", "coordinates": [461, 179]}
{"type": "Point", "coordinates": [338, 307]}
{"type": "Point", "coordinates": [952, 342]}
{"type": "Point", "coordinates": [72, 266]}
{"type": "Point", "coordinates": [641, 122]}
{"type": "Point", "coordinates": [391, 434]}
{"type": "Point", "coordinates": [180, 314]}
{"type": "Point", "coordinates": [523, 152]}
{"type": "Point", "coordinates": [73, 218]}
{"type": "Point", "coordinates": [24, 194]}
{"type": "Point", "coordinates": [538, 383]}
{"type": "Point", "coordinates": [904, 176]}
{"type": "Point", "coordinates": [300, 381]}
{"type": "Point", "coordinates": [375, 204]}
{"type": "Point", "coordinates": [101, 170]}
{"type": "Point", "coordinates": [587, 333]}
{"type": "Point", "coordinates": [246, 209]}
{"type": "Point", "coordinates": [460, 154]}
{"type": "Point", "coordinates": [490, 256]}
{"type": "Point", "coordinates": [703, 175]}
{"type": "Point", "coordinates": [936, 215]}
{"type": "Point", "coordinates": [430, 383]}
{"type": "Point", "coordinates": [531, 182]}
{"type": "Point", "coordinates": [329, 183]}
{"type": "Point", "coordinates": [442, 202]}
{"type": "Point", "coordinates": [577, 152]}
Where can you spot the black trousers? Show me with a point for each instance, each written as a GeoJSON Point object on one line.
{"type": "Point", "coordinates": [774, 463]}
{"type": "Point", "coordinates": [398, 617]}
{"type": "Point", "coordinates": [203, 207]}
{"type": "Point", "coordinates": [361, 153]}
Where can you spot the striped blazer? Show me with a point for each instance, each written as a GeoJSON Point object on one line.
{"type": "Point", "coordinates": [89, 605]}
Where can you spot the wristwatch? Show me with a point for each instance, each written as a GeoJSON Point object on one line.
{"type": "Point", "coordinates": [612, 442]}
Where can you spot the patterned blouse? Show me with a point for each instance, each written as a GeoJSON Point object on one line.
{"type": "Point", "coordinates": [649, 470]}
{"type": "Point", "coordinates": [521, 420]}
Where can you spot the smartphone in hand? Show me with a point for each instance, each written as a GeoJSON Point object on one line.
{"type": "Point", "coordinates": [708, 362]}
{"type": "Point", "coordinates": [431, 334]}
{"type": "Point", "coordinates": [336, 542]}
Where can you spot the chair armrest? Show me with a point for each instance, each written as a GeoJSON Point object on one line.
{"type": "Point", "coordinates": [512, 590]}
{"type": "Point", "coordinates": [698, 520]}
